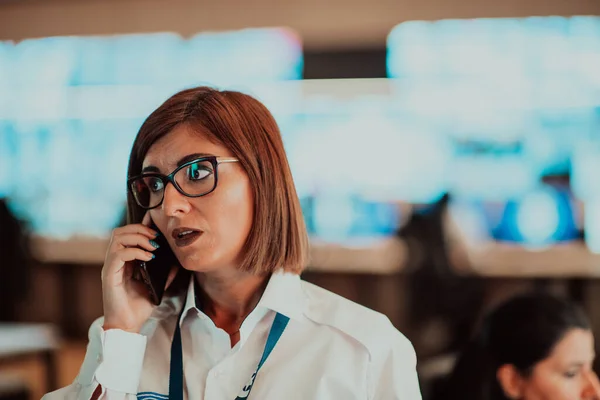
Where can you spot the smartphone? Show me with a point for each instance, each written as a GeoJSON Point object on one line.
{"type": "Point", "coordinates": [154, 273]}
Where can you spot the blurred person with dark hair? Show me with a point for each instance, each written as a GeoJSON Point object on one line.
{"type": "Point", "coordinates": [208, 172]}
{"type": "Point", "coordinates": [443, 303]}
{"type": "Point", "coordinates": [15, 264]}
{"type": "Point", "coordinates": [533, 346]}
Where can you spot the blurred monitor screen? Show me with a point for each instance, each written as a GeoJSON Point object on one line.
{"type": "Point", "coordinates": [481, 109]}
{"type": "Point", "coordinates": [518, 100]}
{"type": "Point", "coordinates": [70, 108]}
{"type": "Point", "coordinates": [515, 97]}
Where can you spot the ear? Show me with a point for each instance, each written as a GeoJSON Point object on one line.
{"type": "Point", "coordinates": [510, 381]}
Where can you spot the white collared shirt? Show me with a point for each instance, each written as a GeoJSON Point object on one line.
{"type": "Point", "coordinates": [331, 349]}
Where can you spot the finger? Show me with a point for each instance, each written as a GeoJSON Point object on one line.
{"type": "Point", "coordinates": [135, 228]}
{"type": "Point", "coordinates": [131, 271]}
{"type": "Point", "coordinates": [118, 261]}
{"type": "Point", "coordinates": [134, 240]}
{"type": "Point", "coordinates": [133, 253]}
{"type": "Point", "coordinates": [147, 220]}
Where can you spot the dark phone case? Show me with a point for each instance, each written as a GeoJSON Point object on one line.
{"type": "Point", "coordinates": [154, 273]}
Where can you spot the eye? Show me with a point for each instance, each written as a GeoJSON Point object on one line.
{"type": "Point", "coordinates": [198, 171]}
{"type": "Point", "coordinates": [154, 184]}
{"type": "Point", "coordinates": [571, 374]}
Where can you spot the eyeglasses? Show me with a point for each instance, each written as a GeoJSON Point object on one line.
{"type": "Point", "coordinates": [195, 178]}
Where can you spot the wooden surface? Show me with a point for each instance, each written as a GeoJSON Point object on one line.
{"type": "Point", "coordinates": [475, 254]}
{"type": "Point", "coordinates": [385, 256]}
{"type": "Point", "coordinates": [32, 371]}
{"type": "Point", "coordinates": [335, 24]}
{"type": "Point", "coordinates": [23, 339]}
{"type": "Point", "coordinates": [37, 342]}
{"type": "Point", "coordinates": [569, 260]}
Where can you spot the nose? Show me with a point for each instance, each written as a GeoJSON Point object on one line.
{"type": "Point", "coordinates": [174, 203]}
{"type": "Point", "coordinates": [592, 387]}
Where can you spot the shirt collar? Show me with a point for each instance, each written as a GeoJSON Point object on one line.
{"type": "Point", "coordinates": [283, 294]}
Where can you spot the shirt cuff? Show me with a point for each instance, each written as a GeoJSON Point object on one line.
{"type": "Point", "coordinates": [122, 360]}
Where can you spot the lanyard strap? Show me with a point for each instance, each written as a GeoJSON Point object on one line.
{"type": "Point", "coordinates": [176, 370]}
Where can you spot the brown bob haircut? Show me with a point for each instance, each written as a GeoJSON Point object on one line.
{"type": "Point", "coordinates": [278, 238]}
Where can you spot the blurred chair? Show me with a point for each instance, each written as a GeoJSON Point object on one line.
{"type": "Point", "coordinates": [15, 263]}
{"type": "Point", "coordinates": [433, 372]}
{"type": "Point", "coordinates": [30, 341]}
{"type": "Point", "coordinates": [13, 388]}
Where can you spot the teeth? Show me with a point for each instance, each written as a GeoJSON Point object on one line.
{"type": "Point", "coordinates": [185, 233]}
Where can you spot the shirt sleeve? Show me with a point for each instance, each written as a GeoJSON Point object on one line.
{"type": "Point", "coordinates": [394, 375]}
{"type": "Point", "coordinates": [113, 360]}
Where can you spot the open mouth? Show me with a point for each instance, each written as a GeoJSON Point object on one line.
{"type": "Point", "coordinates": [185, 236]}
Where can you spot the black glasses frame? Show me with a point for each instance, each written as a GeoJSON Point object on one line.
{"type": "Point", "coordinates": [165, 179]}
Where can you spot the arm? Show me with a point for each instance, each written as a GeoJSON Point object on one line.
{"type": "Point", "coordinates": [111, 369]}
{"type": "Point", "coordinates": [394, 374]}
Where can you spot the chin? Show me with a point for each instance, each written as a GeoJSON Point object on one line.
{"type": "Point", "coordinates": [198, 264]}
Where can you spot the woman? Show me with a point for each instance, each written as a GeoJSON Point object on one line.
{"type": "Point", "coordinates": [534, 346]}
{"type": "Point", "coordinates": [246, 323]}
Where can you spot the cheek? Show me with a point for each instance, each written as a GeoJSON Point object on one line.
{"type": "Point", "coordinates": [553, 388]}
{"type": "Point", "coordinates": [159, 219]}
{"type": "Point", "coordinates": [231, 218]}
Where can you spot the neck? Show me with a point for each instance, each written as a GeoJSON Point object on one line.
{"type": "Point", "coordinates": [227, 297]}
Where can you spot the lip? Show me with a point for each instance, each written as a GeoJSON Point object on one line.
{"type": "Point", "coordinates": [187, 239]}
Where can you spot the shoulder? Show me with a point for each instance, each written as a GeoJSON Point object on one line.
{"type": "Point", "coordinates": [373, 330]}
{"type": "Point", "coordinates": [392, 358]}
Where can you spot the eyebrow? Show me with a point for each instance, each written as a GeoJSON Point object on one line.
{"type": "Point", "coordinates": [576, 364]}
{"type": "Point", "coordinates": [580, 363]}
{"type": "Point", "coordinates": [180, 162]}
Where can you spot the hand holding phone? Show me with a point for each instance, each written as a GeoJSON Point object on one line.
{"type": "Point", "coordinates": [128, 302]}
{"type": "Point", "coordinates": [155, 272]}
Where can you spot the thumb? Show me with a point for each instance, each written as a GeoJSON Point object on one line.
{"type": "Point", "coordinates": [172, 275]}
{"type": "Point", "coordinates": [147, 220]}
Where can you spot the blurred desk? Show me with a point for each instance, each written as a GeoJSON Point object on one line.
{"type": "Point", "coordinates": [505, 260]}
{"type": "Point", "coordinates": [384, 256]}
{"type": "Point", "coordinates": [78, 250]}
{"type": "Point", "coordinates": [31, 340]}
{"type": "Point", "coordinates": [14, 388]}
{"type": "Point", "coordinates": [473, 252]}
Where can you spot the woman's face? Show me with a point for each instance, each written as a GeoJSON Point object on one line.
{"type": "Point", "coordinates": [567, 373]}
{"type": "Point", "coordinates": [221, 220]}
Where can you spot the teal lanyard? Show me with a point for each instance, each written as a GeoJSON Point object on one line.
{"type": "Point", "coordinates": [176, 372]}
